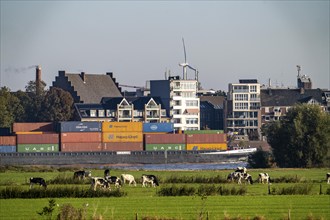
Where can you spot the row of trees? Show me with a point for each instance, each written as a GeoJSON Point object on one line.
{"type": "Point", "coordinates": [34, 105]}
{"type": "Point", "coordinates": [300, 139]}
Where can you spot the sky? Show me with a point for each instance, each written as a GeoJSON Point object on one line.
{"type": "Point", "coordinates": [141, 40]}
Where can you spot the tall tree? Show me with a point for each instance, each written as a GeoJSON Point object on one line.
{"type": "Point", "coordinates": [33, 109]}
{"type": "Point", "coordinates": [57, 105]}
{"type": "Point", "coordinates": [302, 138]}
{"type": "Point", "coordinates": [6, 117]}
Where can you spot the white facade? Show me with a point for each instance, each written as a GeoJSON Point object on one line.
{"type": "Point", "coordinates": [180, 100]}
{"type": "Point", "coordinates": [243, 110]}
{"type": "Point", "coordinates": [184, 104]}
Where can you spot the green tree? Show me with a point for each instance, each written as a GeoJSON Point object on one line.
{"type": "Point", "coordinates": [11, 108]}
{"type": "Point", "coordinates": [33, 108]}
{"type": "Point", "coordinates": [302, 138]}
{"type": "Point", "coordinates": [260, 159]}
{"type": "Point", "coordinates": [57, 105]}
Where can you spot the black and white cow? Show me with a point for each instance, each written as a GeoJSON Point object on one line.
{"type": "Point", "coordinates": [152, 179]}
{"type": "Point", "coordinates": [37, 180]}
{"type": "Point", "coordinates": [328, 178]}
{"type": "Point", "coordinates": [106, 173]}
{"type": "Point", "coordinates": [239, 176]}
{"type": "Point", "coordinates": [114, 180]}
{"type": "Point", "coordinates": [82, 174]}
{"type": "Point", "coordinates": [264, 178]}
{"type": "Point", "coordinates": [241, 169]}
{"type": "Point", "coordinates": [101, 182]}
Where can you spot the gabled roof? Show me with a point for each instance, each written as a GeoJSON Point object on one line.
{"type": "Point", "coordinates": [88, 88]}
{"type": "Point", "coordinates": [138, 102]}
{"type": "Point", "coordinates": [289, 97]}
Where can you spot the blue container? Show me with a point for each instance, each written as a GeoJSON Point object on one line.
{"type": "Point", "coordinates": [7, 149]}
{"type": "Point", "coordinates": [158, 127]}
{"type": "Point", "coordinates": [80, 126]}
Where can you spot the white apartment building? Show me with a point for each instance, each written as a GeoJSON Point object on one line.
{"type": "Point", "coordinates": [243, 108]}
{"type": "Point", "coordinates": [179, 97]}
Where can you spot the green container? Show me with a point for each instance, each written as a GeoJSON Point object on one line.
{"type": "Point", "coordinates": [30, 148]}
{"type": "Point", "coordinates": [203, 132]}
{"type": "Point", "coordinates": [155, 147]}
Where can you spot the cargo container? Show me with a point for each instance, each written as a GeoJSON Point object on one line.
{"type": "Point", "coordinates": [122, 146]}
{"type": "Point", "coordinates": [203, 132]}
{"type": "Point", "coordinates": [122, 137]}
{"type": "Point", "coordinates": [32, 126]}
{"type": "Point", "coordinates": [30, 132]}
{"type": "Point", "coordinates": [81, 137]}
{"type": "Point", "coordinates": [153, 147]}
{"type": "Point", "coordinates": [164, 138]}
{"type": "Point", "coordinates": [8, 140]}
{"type": "Point", "coordinates": [79, 126]}
{"type": "Point", "coordinates": [5, 131]}
{"type": "Point", "coordinates": [37, 138]}
{"type": "Point", "coordinates": [206, 138]}
{"type": "Point", "coordinates": [29, 148]}
{"type": "Point", "coordinates": [158, 127]}
{"type": "Point", "coordinates": [7, 149]}
{"type": "Point", "coordinates": [81, 147]}
{"type": "Point", "coordinates": [209, 146]}
{"type": "Point", "coordinates": [122, 127]}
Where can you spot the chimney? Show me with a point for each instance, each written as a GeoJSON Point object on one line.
{"type": "Point", "coordinates": [38, 79]}
{"type": "Point", "coordinates": [302, 90]}
{"type": "Point", "coordinates": [83, 76]}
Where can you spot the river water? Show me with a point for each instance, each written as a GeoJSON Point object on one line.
{"type": "Point", "coordinates": [180, 166]}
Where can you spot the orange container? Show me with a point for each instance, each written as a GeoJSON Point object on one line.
{"type": "Point", "coordinates": [122, 137]}
{"type": "Point", "coordinates": [122, 127]}
{"type": "Point", "coordinates": [208, 146]}
{"type": "Point", "coordinates": [8, 140]}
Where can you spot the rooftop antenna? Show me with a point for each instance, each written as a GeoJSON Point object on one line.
{"type": "Point", "coordinates": [298, 69]}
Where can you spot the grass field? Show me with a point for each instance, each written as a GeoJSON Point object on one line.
{"type": "Point", "coordinates": [145, 203]}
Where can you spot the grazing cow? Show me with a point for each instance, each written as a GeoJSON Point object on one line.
{"type": "Point", "coordinates": [106, 173]}
{"type": "Point", "coordinates": [241, 169]}
{"type": "Point", "coordinates": [129, 178]}
{"type": "Point", "coordinates": [234, 176]}
{"type": "Point", "coordinates": [248, 178]}
{"type": "Point", "coordinates": [37, 180]}
{"type": "Point", "coordinates": [264, 178]}
{"type": "Point", "coordinates": [99, 181]}
{"type": "Point", "coordinates": [328, 178]}
{"type": "Point", "coordinates": [238, 176]}
{"type": "Point", "coordinates": [114, 180]}
{"type": "Point", "coordinates": [149, 179]}
{"type": "Point", "coordinates": [82, 174]}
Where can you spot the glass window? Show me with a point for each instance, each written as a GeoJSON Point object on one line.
{"type": "Point", "coordinates": [101, 113]}
{"type": "Point", "coordinates": [93, 113]}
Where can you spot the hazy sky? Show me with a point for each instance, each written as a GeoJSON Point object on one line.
{"type": "Point", "coordinates": [140, 40]}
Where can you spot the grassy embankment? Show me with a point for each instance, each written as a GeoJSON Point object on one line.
{"type": "Point", "coordinates": [146, 202]}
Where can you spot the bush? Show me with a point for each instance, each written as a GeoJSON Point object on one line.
{"type": "Point", "coordinates": [301, 189]}
{"type": "Point", "coordinates": [60, 192]}
{"type": "Point", "coordinates": [202, 190]}
{"type": "Point", "coordinates": [195, 179]}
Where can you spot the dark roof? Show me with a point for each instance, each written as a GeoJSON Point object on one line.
{"type": "Point", "coordinates": [138, 102]}
{"type": "Point", "coordinates": [289, 97]}
{"type": "Point", "coordinates": [248, 81]}
{"type": "Point", "coordinates": [205, 105]}
{"type": "Point", "coordinates": [92, 89]}
{"type": "Point", "coordinates": [216, 101]}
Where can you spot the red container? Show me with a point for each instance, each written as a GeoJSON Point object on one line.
{"type": "Point", "coordinates": [81, 147]}
{"type": "Point", "coordinates": [8, 140]}
{"type": "Point", "coordinates": [81, 137]}
{"type": "Point", "coordinates": [205, 138]}
{"type": "Point", "coordinates": [122, 146]}
{"type": "Point", "coordinates": [164, 138]}
{"type": "Point", "coordinates": [28, 127]}
{"type": "Point", "coordinates": [37, 138]}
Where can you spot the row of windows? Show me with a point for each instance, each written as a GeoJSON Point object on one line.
{"type": "Point", "coordinates": [124, 114]}
{"type": "Point", "coordinates": [191, 103]}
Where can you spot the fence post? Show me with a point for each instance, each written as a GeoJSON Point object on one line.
{"type": "Point", "coordinates": [321, 189]}
{"type": "Point", "coordinates": [136, 216]}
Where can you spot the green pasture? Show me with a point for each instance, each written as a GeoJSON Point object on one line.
{"type": "Point", "coordinates": [144, 203]}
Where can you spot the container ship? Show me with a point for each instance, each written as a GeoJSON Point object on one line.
{"type": "Point", "coordinates": [77, 142]}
